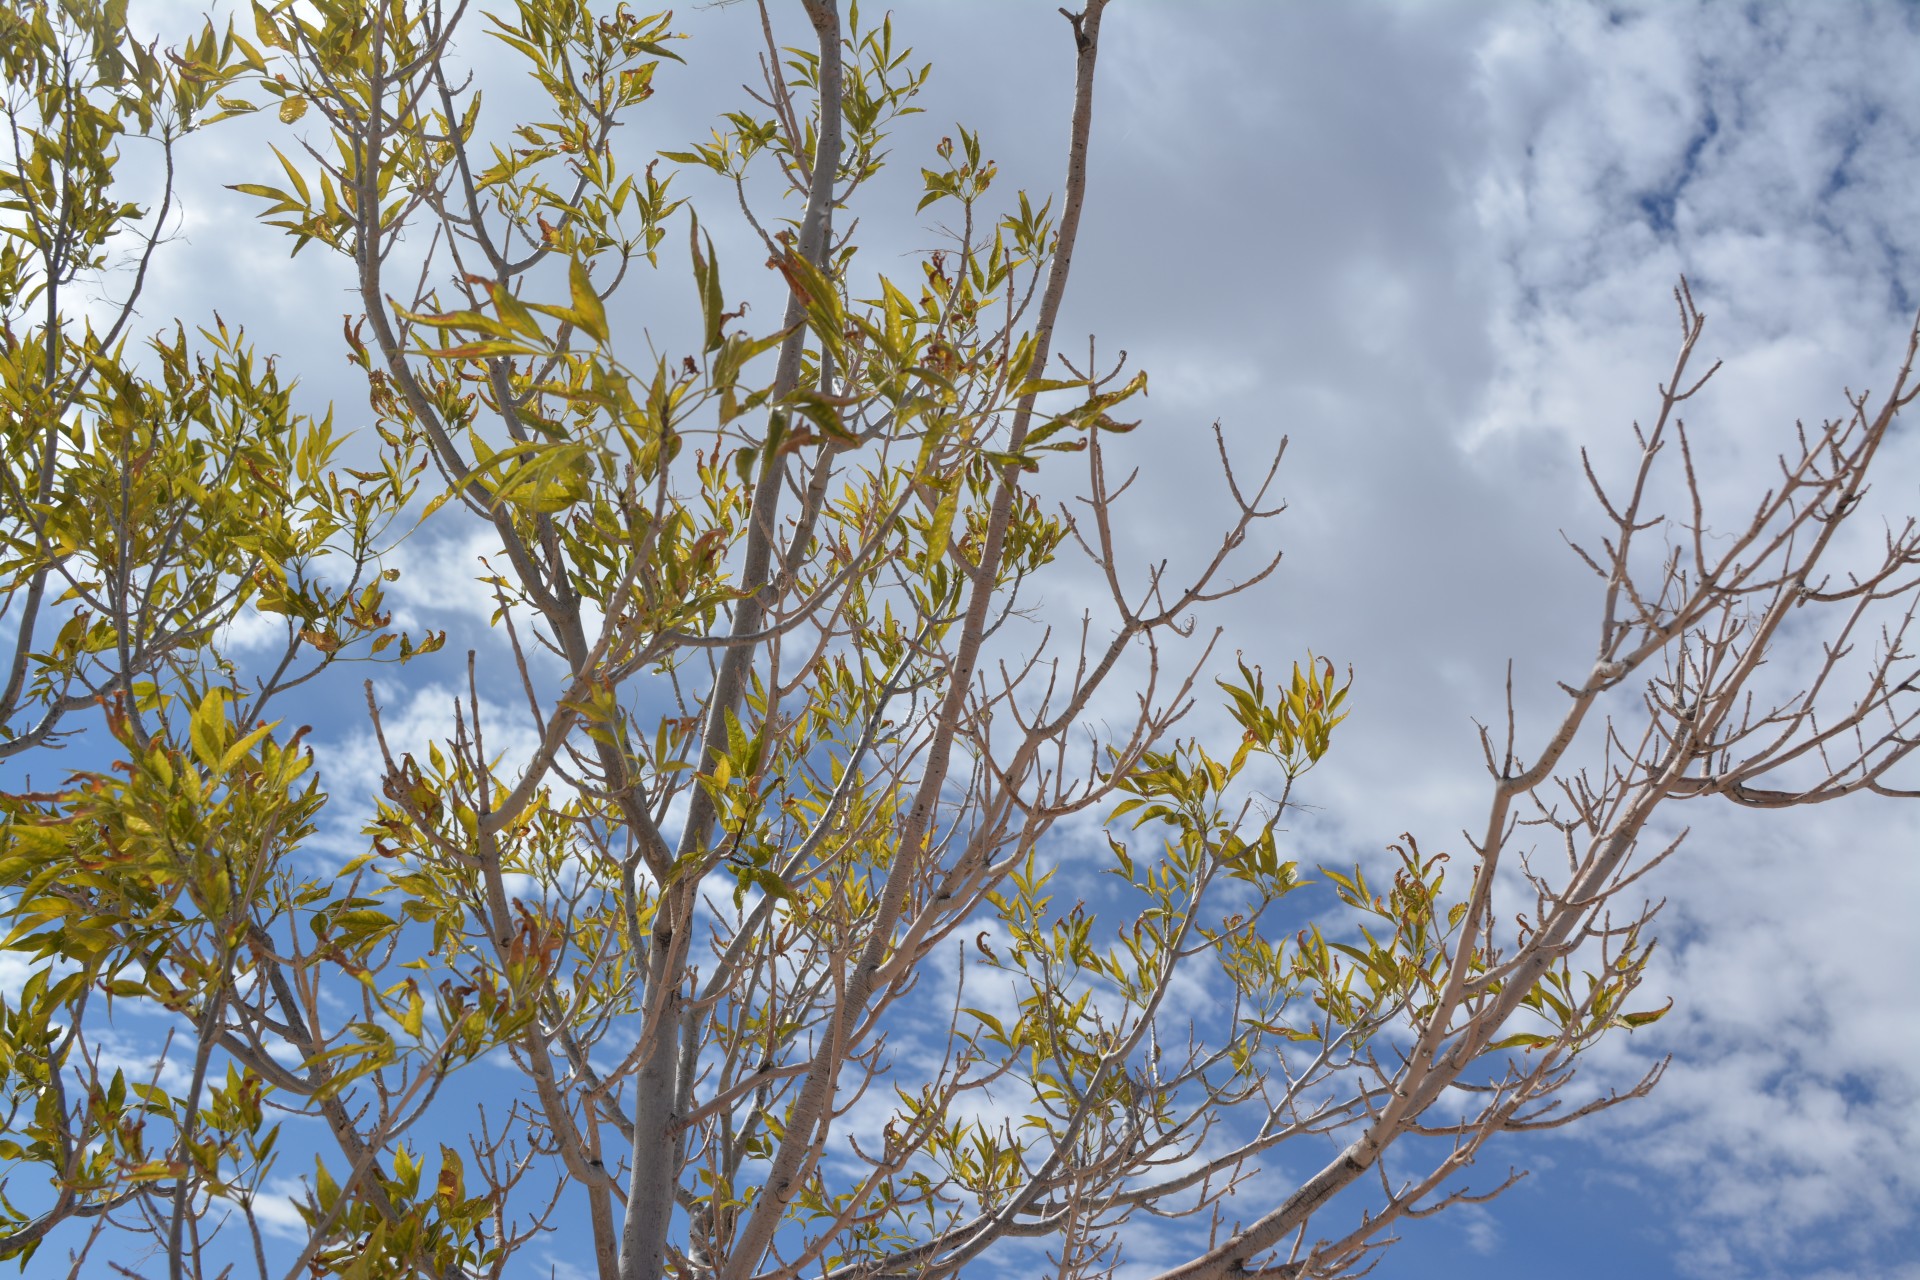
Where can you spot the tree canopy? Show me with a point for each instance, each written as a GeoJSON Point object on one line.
{"type": "Point", "coordinates": [800, 763]}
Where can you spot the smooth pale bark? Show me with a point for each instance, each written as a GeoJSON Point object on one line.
{"type": "Point", "coordinates": [810, 1116]}
{"type": "Point", "coordinates": [659, 1139]}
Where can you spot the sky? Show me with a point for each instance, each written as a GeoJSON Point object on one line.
{"type": "Point", "coordinates": [1433, 245]}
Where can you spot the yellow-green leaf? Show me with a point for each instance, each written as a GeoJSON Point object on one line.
{"type": "Point", "coordinates": [415, 1016]}
{"type": "Point", "coordinates": [588, 312]}
{"type": "Point", "coordinates": [238, 751]}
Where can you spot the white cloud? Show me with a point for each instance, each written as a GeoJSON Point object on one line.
{"type": "Point", "coordinates": [251, 630]}
{"type": "Point", "coordinates": [275, 1211]}
{"type": "Point", "coordinates": [411, 720]}
{"type": "Point", "coordinates": [1790, 1114]}
{"type": "Point", "coordinates": [1480, 1227]}
{"type": "Point", "coordinates": [15, 969]}
{"type": "Point", "coordinates": [351, 768]}
{"type": "Point", "coordinates": [1758, 151]}
{"type": "Point", "coordinates": [444, 573]}
{"type": "Point", "coordinates": [148, 1058]}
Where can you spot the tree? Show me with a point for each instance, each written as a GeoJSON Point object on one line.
{"type": "Point", "coordinates": [800, 760]}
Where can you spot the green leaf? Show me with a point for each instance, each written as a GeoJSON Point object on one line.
{"type": "Point", "coordinates": [516, 315]}
{"type": "Point", "coordinates": [588, 311]}
{"type": "Point", "coordinates": [706, 279]}
{"type": "Point", "coordinates": [771, 884]}
{"type": "Point", "coordinates": [37, 843]}
{"type": "Point", "coordinates": [1034, 386]}
{"type": "Point", "coordinates": [207, 729]}
{"type": "Point", "coordinates": [238, 751]}
{"type": "Point", "coordinates": [153, 1095]}
{"type": "Point", "coordinates": [1522, 1040]}
{"type": "Point", "coordinates": [413, 1018]}
{"type": "Point", "coordinates": [942, 529]}
{"type": "Point", "coordinates": [999, 1029]}
{"type": "Point", "coordinates": [1648, 1017]}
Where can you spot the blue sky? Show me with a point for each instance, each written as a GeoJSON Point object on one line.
{"type": "Point", "coordinates": [1433, 244]}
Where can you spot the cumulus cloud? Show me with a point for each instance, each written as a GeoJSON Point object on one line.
{"type": "Point", "coordinates": [412, 719]}
{"type": "Point", "coordinates": [1757, 151]}
{"type": "Point", "coordinates": [274, 1209]}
